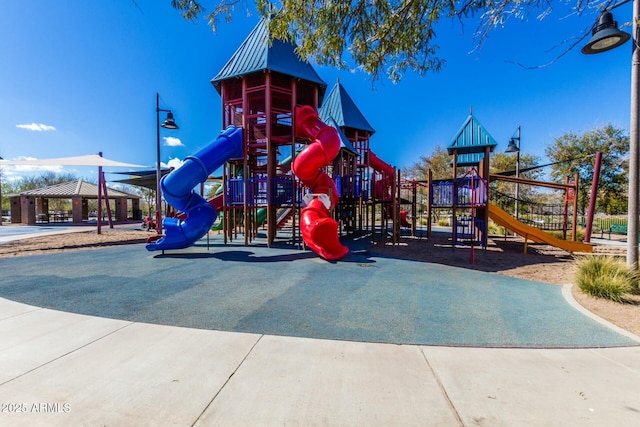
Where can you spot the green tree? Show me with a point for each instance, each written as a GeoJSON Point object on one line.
{"type": "Point", "coordinates": [44, 180]}
{"type": "Point", "coordinates": [5, 188]}
{"type": "Point", "coordinates": [379, 37]}
{"type": "Point", "coordinates": [576, 154]}
{"type": "Point", "coordinates": [213, 189]}
{"type": "Point", "coordinates": [506, 163]}
{"type": "Point", "coordinates": [148, 197]}
{"type": "Point", "coordinates": [439, 161]}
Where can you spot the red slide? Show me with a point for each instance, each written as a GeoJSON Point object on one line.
{"type": "Point", "coordinates": [382, 189]}
{"type": "Point", "coordinates": [403, 219]}
{"type": "Point", "coordinates": [380, 165]}
{"type": "Point", "coordinates": [216, 203]}
{"type": "Point", "coordinates": [319, 230]}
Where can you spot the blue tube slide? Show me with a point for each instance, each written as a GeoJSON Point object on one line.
{"type": "Point", "coordinates": [178, 191]}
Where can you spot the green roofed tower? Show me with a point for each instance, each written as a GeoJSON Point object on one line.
{"type": "Point", "coordinates": [471, 147]}
{"type": "Point", "coordinates": [350, 168]}
{"type": "Point", "coordinates": [261, 85]}
{"type": "Point", "coordinates": [339, 107]}
{"type": "Point", "coordinates": [258, 53]}
{"type": "Point", "coordinates": [471, 142]}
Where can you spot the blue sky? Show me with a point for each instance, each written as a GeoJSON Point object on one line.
{"type": "Point", "coordinates": [81, 77]}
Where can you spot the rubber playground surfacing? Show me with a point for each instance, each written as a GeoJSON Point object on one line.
{"type": "Point", "coordinates": [287, 291]}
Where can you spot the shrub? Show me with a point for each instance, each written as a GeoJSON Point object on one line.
{"type": "Point", "coordinates": [498, 230]}
{"type": "Point", "coordinates": [605, 277]}
{"type": "Point", "coordinates": [443, 222]}
{"type": "Point", "coordinates": [558, 234]}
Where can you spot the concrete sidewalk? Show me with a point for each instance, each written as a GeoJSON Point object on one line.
{"type": "Point", "coordinates": [63, 369]}
{"type": "Point", "coordinates": [13, 232]}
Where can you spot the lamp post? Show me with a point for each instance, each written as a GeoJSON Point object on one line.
{"type": "Point", "coordinates": [515, 148]}
{"type": "Point", "coordinates": [169, 123]}
{"type": "Point", "coordinates": [605, 36]}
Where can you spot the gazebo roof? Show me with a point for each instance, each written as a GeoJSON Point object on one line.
{"type": "Point", "coordinates": [339, 106]}
{"type": "Point", "coordinates": [71, 189]}
{"type": "Point", "coordinates": [258, 53]}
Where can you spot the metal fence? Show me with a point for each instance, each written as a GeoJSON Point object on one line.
{"type": "Point", "coordinates": [603, 223]}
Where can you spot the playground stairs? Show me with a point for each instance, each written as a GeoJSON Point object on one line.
{"type": "Point", "coordinates": [285, 219]}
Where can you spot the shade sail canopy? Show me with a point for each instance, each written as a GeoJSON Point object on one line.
{"type": "Point", "coordinates": [89, 160]}
{"type": "Point", "coordinates": [147, 179]}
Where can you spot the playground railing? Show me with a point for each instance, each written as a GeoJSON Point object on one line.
{"type": "Point", "coordinates": [348, 185]}
{"type": "Point", "coordinates": [441, 193]}
{"type": "Point", "coordinates": [257, 191]}
{"type": "Point", "coordinates": [468, 230]}
{"type": "Point", "coordinates": [471, 190]}
{"type": "Point", "coordinates": [284, 188]}
{"type": "Point", "coordinates": [235, 191]}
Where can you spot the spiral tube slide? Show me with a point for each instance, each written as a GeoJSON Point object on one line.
{"type": "Point", "coordinates": [319, 231]}
{"type": "Point", "coordinates": [178, 190]}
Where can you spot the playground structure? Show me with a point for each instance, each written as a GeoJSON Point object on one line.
{"type": "Point", "coordinates": [467, 197]}
{"type": "Point", "coordinates": [533, 225]}
{"type": "Point", "coordinates": [291, 158]}
{"type": "Point", "coordinates": [295, 159]}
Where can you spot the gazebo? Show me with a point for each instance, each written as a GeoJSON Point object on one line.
{"type": "Point", "coordinates": [32, 206]}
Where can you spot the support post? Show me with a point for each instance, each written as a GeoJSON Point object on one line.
{"type": "Point", "coordinates": [100, 197]}
{"type": "Point", "coordinates": [634, 141]}
{"type": "Point", "coordinates": [592, 199]}
{"type": "Point", "coordinates": [574, 232]}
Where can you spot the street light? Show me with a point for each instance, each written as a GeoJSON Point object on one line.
{"type": "Point", "coordinates": [605, 36]}
{"type": "Point", "coordinates": [169, 123]}
{"type": "Point", "coordinates": [515, 148]}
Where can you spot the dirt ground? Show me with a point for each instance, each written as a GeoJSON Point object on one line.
{"type": "Point", "coordinates": [502, 256]}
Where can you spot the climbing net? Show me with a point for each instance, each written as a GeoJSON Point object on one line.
{"type": "Point", "coordinates": [545, 216]}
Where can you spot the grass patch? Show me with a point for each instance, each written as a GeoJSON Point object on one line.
{"type": "Point", "coordinates": [606, 277]}
{"type": "Point", "coordinates": [558, 234]}
{"type": "Point", "coordinates": [498, 230]}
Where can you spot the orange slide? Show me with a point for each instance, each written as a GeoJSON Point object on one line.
{"type": "Point", "coordinates": [502, 218]}
{"type": "Point", "coordinates": [319, 230]}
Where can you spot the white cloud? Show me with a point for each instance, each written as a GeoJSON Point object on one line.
{"type": "Point", "coordinates": [24, 170]}
{"type": "Point", "coordinates": [171, 141]}
{"type": "Point", "coordinates": [173, 163]}
{"type": "Point", "coordinates": [37, 127]}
